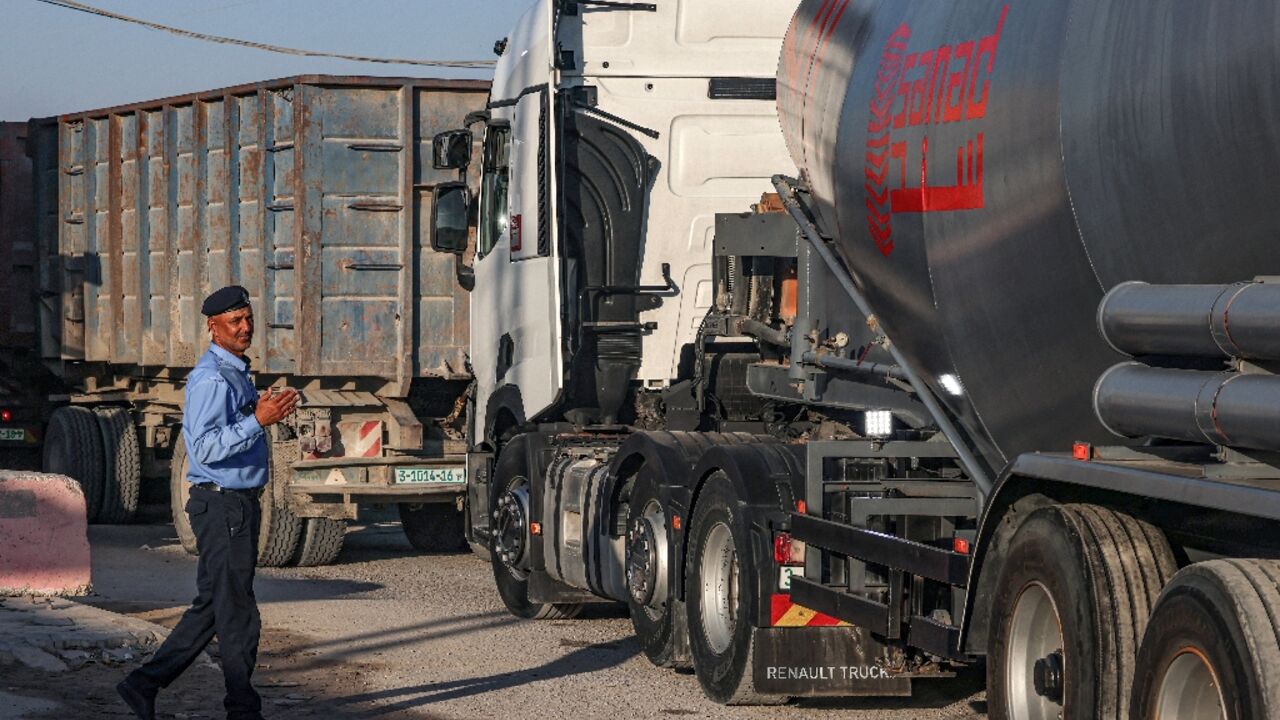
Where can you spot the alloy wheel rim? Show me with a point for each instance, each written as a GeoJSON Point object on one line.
{"type": "Point", "coordinates": [647, 560]}
{"type": "Point", "coordinates": [1189, 689]}
{"type": "Point", "coordinates": [511, 529]}
{"type": "Point", "coordinates": [1035, 669]}
{"type": "Point", "coordinates": [720, 580]}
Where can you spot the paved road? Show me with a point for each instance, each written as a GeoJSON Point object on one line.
{"type": "Point", "coordinates": [387, 632]}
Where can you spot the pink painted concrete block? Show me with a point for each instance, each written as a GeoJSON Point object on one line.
{"type": "Point", "coordinates": [44, 546]}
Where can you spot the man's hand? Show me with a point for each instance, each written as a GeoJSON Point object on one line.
{"type": "Point", "coordinates": [274, 407]}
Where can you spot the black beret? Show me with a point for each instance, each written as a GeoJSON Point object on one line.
{"type": "Point", "coordinates": [227, 299]}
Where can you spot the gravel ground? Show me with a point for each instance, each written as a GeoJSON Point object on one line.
{"type": "Point", "coordinates": [388, 632]}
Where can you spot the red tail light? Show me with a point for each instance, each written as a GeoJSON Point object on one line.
{"type": "Point", "coordinates": [960, 545]}
{"type": "Point", "coordinates": [1082, 451]}
{"type": "Point", "coordinates": [787, 550]}
{"type": "Point", "coordinates": [6, 415]}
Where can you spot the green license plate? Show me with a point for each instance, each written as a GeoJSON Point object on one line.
{"type": "Point", "coordinates": [431, 475]}
{"type": "Point", "coordinates": [16, 434]}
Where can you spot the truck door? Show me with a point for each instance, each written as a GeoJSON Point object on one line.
{"type": "Point", "coordinates": [515, 316]}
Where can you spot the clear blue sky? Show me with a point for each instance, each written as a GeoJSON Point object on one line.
{"type": "Point", "coordinates": [54, 60]}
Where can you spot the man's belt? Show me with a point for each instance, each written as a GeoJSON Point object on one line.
{"type": "Point", "coordinates": [215, 487]}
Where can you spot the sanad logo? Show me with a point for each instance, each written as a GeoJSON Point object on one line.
{"type": "Point", "coordinates": [948, 84]}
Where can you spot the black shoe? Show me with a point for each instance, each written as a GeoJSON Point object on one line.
{"type": "Point", "coordinates": [141, 703]}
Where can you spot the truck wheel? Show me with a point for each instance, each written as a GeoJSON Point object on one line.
{"type": "Point", "coordinates": [509, 546]}
{"type": "Point", "coordinates": [73, 447]}
{"type": "Point", "coordinates": [722, 597]}
{"type": "Point", "coordinates": [179, 491]}
{"type": "Point", "coordinates": [658, 626]}
{"type": "Point", "coordinates": [321, 541]}
{"type": "Point", "coordinates": [281, 530]}
{"type": "Point", "coordinates": [1213, 644]}
{"type": "Point", "coordinates": [434, 527]}
{"type": "Point", "coordinates": [122, 466]}
{"type": "Point", "coordinates": [1075, 589]}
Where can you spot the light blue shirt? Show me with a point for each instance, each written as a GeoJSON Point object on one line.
{"type": "Point", "coordinates": [225, 443]}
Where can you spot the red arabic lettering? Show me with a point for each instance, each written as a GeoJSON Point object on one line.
{"type": "Point", "coordinates": [943, 85]}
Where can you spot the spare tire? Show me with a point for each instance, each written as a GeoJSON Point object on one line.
{"type": "Point", "coordinates": [73, 447]}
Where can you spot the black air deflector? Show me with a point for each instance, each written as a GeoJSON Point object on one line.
{"type": "Point", "coordinates": [605, 181]}
{"type": "Point", "coordinates": [740, 88]}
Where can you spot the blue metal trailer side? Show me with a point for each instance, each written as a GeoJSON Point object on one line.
{"type": "Point", "coordinates": [310, 192]}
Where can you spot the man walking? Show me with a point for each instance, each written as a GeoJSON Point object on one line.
{"type": "Point", "coordinates": [223, 428]}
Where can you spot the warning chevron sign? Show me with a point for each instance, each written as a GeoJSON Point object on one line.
{"type": "Point", "coordinates": [784, 613]}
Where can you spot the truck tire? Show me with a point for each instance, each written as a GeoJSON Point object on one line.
{"type": "Point", "coordinates": [510, 476]}
{"type": "Point", "coordinates": [281, 530]}
{"type": "Point", "coordinates": [122, 467]}
{"type": "Point", "coordinates": [1075, 590]}
{"type": "Point", "coordinates": [434, 527]}
{"type": "Point", "coordinates": [321, 541]}
{"type": "Point", "coordinates": [73, 447]}
{"type": "Point", "coordinates": [721, 597]}
{"type": "Point", "coordinates": [658, 621]}
{"type": "Point", "coordinates": [1213, 645]}
{"type": "Point", "coordinates": [179, 491]}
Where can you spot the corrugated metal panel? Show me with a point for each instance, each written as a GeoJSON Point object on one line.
{"type": "Point", "coordinates": [313, 192]}
{"type": "Point", "coordinates": [17, 240]}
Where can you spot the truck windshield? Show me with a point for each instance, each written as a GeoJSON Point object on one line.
{"type": "Point", "coordinates": [493, 187]}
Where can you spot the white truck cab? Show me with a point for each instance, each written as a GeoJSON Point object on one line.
{"type": "Point", "coordinates": [613, 440]}
{"type": "Point", "coordinates": [615, 133]}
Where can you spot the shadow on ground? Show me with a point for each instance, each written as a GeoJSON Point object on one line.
{"type": "Point", "coordinates": [592, 658]}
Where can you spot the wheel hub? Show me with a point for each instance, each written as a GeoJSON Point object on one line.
{"type": "Point", "coordinates": [642, 561]}
{"type": "Point", "coordinates": [1047, 675]}
{"type": "Point", "coordinates": [511, 528]}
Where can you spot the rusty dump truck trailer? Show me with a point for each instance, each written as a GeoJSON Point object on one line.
{"type": "Point", "coordinates": [312, 192]}
{"type": "Point", "coordinates": [24, 385]}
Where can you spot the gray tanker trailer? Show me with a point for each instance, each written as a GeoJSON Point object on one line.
{"type": "Point", "coordinates": [888, 449]}
{"type": "Point", "coordinates": [1056, 221]}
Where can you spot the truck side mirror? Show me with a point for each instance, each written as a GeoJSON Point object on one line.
{"type": "Point", "coordinates": [451, 150]}
{"type": "Point", "coordinates": [450, 203]}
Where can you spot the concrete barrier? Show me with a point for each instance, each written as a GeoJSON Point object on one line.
{"type": "Point", "coordinates": [44, 548]}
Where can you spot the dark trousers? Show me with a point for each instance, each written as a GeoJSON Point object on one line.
{"type": "Point", "coordinates": [226, 528]}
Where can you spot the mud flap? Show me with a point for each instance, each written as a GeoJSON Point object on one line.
{"type": "Point", "coordinates": [479, 475]}
{"type": "Point", "coordinates": [823, 661]}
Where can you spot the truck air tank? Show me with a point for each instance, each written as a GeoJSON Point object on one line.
{"type": "Point", "coordinates": [988, 170]}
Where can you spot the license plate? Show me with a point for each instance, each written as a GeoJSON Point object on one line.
{"type": "Point", "coordinates": [784, 575]}
{"type": "Point", "coordinates": [15, 434]}
{"type": "Point", "coordinates": [454, 475]}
